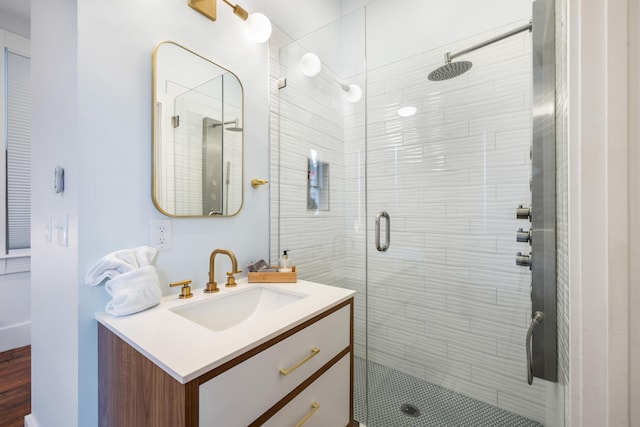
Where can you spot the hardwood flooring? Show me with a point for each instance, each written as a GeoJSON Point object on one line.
{"type": "Point", "coordinates": [15, 386]}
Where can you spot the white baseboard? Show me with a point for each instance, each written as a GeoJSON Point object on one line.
{"type": "Point", "coordinates": [30, 421]}
{"type": "Point", "coordinates": [15, 336]}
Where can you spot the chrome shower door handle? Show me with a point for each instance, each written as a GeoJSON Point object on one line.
{"type": "Point", "coordinates": [383, 248]}
{"type": "Point", "coordinates": [537, 318]}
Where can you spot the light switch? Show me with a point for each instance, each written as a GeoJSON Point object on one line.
{"type": "Point", "coordinates": [61, 228]}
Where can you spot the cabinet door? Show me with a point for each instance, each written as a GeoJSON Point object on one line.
{"type": "Point", "coordinates": [240, 395]}
{"type": "Point", "coordinates": [324, 403]}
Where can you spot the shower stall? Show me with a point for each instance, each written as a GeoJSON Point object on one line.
{"type": "Point", "coordinates": [421, 215]}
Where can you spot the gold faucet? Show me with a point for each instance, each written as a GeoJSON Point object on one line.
{"type": "Point", "coordinates": [212, 286]}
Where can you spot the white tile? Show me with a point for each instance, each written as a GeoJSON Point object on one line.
{"type": "Point", "coordinates": [532, 409]}
{"type": "Point", "coordinates": [485, 108]}
{"type": "Point", "coordinates": [437, 363]}
{"type": "Point", "coordinates": [399, 364]}
{"type": "Point", "coordinates": [504, 383]}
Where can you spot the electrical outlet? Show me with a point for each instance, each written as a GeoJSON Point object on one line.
{"type": "Point", "coordinates": [161, 234]}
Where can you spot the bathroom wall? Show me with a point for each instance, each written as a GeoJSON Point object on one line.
{"type": "Point", "coordinates": [92, 115]}
{"type": "Point", "coordinates": [15, 17]}
{"type": "Point", "coordinates": [15, 310]}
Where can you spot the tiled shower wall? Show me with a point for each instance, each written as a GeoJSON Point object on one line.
{"type": "Point", "coordinates": [446, 303]}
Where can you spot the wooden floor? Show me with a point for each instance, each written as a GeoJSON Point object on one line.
{"type": "Point", "coordinates": [15, 386]}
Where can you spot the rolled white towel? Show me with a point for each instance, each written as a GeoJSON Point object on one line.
{"type": "Point", "coordinates": [133, 291]}
{"type": "Point", "coordinates": [120, 262]}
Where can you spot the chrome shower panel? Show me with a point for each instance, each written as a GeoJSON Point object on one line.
{"type": "Point", "coordinates": [543, 186]}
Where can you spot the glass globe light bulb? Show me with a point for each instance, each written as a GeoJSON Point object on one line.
{"type": "Point", "coordinates": [353, 93]}
{"type": "Point", "coordinates": [259, 27]}
{"type": "Point", "coordinates": [310, 64]}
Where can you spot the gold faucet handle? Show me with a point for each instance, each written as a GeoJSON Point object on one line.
{"type": "Point", "coordinates": [231, 281]}
{"type": "Point", "coordinates": [186, 288]}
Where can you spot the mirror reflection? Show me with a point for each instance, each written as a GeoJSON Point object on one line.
{"type": "Point", "coordinates": [198, 135]}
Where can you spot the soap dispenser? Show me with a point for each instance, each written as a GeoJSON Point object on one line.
{"type": "Point", "coordinates": [285, 262]}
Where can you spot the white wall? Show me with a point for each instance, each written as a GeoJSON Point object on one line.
{"type": "Point", "coordinates": [92, 115]}
{"type": "Point", "coordinates": [15, 310]}
{"type": "Point", "coordinates": [54, 269]}
{"type": "Point", "coordinates": [599, 147]}
{"type": "Point", "coordinates": [15, 17]}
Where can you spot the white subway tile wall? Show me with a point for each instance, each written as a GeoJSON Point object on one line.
{"type": "Point", "coordinates": [446, 303]}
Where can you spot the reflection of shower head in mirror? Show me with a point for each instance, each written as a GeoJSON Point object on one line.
{"type": "Point", "coordinates": [236, 126]}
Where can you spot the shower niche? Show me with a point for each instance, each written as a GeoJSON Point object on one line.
{"type": "Point", "coordinates": [317, 185]}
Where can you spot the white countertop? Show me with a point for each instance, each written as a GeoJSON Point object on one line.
{"type": "Point", "coordinates": [186, 350]}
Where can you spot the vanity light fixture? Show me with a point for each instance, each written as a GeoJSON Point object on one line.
{"type": "Point", "coordinates": [258, 25]}
{"type": "Point", "coordinates": [353, 93]}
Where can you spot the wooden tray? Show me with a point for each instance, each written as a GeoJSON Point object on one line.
{"type": "Point", "coordinates": [273, 276]}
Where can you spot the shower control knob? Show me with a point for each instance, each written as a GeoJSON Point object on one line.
{"type": "Point", "coordinates": [524, 236]}
{"type": "Point", "coordinates": [523, 260]}
{"type": "Point", "coordinates": [523, 213]}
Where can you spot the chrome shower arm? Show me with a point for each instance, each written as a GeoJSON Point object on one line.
{"type": "Point", "coordinates": [450, 56]}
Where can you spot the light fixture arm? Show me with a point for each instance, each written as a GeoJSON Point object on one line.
{"type": "Point", "coordinates": [238, 10]}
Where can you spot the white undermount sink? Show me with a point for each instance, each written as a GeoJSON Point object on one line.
{"type": "Point", "coordinates": [225, 311]}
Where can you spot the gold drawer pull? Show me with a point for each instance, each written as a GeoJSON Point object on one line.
{"type": "Point", "coordinates": [314, 408]}
{"type": "Point", "coordinates": [314, 351]}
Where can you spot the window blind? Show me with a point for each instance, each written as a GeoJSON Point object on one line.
{"type": "Point", "coordinates": [18, 150]}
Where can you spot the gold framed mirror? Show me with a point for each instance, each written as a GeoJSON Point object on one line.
{"type": "Point", "coordinates": [198, 137]}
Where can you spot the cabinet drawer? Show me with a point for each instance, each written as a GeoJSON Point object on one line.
{"type": "Point", "coordinates": [256, 384]}
{"type": "Point", "coordinates": [324, 403]}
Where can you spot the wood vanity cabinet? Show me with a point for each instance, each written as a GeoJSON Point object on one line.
{"type": "Point", "coordinates": [249, 390]}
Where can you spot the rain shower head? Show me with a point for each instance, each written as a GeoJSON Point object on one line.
{"type": "Point", "coordinates": [453, 69]}
{"type": "Point", "coordinates": [450, 70]}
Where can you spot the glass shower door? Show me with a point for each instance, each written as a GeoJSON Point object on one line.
{"type": "Point", "coordinates": [447, 307]}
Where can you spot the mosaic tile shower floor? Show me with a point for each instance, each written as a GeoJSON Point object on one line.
{"type": "Point", "coordinates": [438, 406]}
